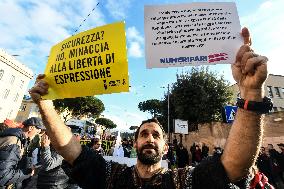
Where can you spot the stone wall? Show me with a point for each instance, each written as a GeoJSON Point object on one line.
{"type": "Point", "coordinates": [274, 129]}
{"type": "Point", "coordinates": [215, 134]}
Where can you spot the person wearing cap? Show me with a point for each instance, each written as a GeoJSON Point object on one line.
{"type": "Point", "coordinates": [51, 174]}
{"type": "Point", "coordinates": [14, 166]}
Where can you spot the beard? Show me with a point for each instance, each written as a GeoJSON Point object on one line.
{"type": "Point", "coordinates": [149, 158]}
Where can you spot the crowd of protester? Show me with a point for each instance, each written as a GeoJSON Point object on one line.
{"type": "Point", "coordinates": [44, 167]}
{"type": "Point", "coordinates": [270, 162]}
{"type": "Point", "coordinates": [178, 155]}
{"type": "Point", "coordinates": [269, 165]}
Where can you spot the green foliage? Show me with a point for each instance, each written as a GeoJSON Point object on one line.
{"type": "Point", "coordinates": [152, 106]}
{"type": "Point", "coordinates": [106, 122]}
{"type": "Point", "coordinates": [80, 106]}
{"type": "Point", "coordinates": [199, 95]}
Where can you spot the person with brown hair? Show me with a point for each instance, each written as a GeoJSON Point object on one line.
{"type": "Point", "coordinates": [230, 170]}
{"type": "Point", "coordinates": [96, 144]}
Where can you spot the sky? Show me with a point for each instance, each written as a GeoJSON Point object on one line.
{"type": "Point", "coordinates": [29, 28]}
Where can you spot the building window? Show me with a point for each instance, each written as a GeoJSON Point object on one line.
{"type": "Point", "coordinates": [22, 84]}
{"type": "Point", "coordinates": [16, 97]}
{"type": "Point", "coordinates": [1, 74]}
{"type": "Point", "coordinates": [6, 94]}
{"type": "Point", "coordinates": [23, 108]}
{"type": "Point", "coordinates": [12, 79]}
{"type": "Point", "coordinates": [283, 91]}
{"type": "Point", "coordinates": [269, 90]}
{"type": "Point", "coordinates": [277, 92]}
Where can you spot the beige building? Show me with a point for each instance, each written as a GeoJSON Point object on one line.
{"type": "Point", "coordinates": [215, 134]}
{"type": "Point", "coordinates": [274, 88]}
{"type": "Point", "coordinates": [27, 109]}
{"type": "Point", "coordinates": [14, 80]}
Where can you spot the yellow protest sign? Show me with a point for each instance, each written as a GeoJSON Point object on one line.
{"type": "Point", "coordinates": [89, 63]}
{"type": "Point", "coordinates": [85, 142]}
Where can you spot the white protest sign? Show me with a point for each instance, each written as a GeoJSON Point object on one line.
{"type": "Point", "coordinates": [191, 34]}
{"type": "Point", "coordinates": [181, 126]}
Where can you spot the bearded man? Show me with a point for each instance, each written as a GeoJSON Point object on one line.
{"type": "Point", "coordinates": [230, 170]}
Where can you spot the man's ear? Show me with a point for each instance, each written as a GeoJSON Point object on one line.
{"type": "Point", "coordinates": [166, 149]}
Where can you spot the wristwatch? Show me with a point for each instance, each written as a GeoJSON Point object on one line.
{"type": "Point", "coordinates": [260, 107]}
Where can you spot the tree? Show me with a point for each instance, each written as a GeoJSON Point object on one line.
{"type": "Point", "coordinates": [106, 122]}
{"type": "Point", "coordinates": [133, 128]}
{"type": "Point", "coordinates": [200, 95]}
{"type": "Point", "coordinates": [152, 106]}
{"type": "Point", "coordinates": [197, 96]}
{"type": "Point", "coordinates": [80, 106]}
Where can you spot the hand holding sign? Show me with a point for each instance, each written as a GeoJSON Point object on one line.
{"type": "Point", "coordinates": [89, 63]}
{"type": "Point", "coordinates": [249, 70]}
{"type": "Point", "coordinates": [39, 89]}
{"type": "Point", "coordinates": [191, 34]}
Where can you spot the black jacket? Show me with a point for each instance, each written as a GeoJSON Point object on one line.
{"type": "Point", "coordinates": [90, 170]}
{"type": "Point", "coordinates": [182, 157]}
{"type": "Point", "coordinates": [13, 167]}
{"type": "Point", "coordinates": [51, 175]}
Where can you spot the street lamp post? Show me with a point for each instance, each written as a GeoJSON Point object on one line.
{"type": "Point", "coordinates": [169, 136]}
{"type": "Point", "coordinates": [168, 93]}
